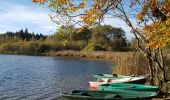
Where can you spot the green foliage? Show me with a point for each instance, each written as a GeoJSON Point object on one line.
{"type": "Point", "coordinates": [84, 34]}
{"type": "Point", "coordinates": [107, 38]}
{"type": "Point", "coordinates": [9, 48]}
{"type": "Point", "coordinates": [100, 38]}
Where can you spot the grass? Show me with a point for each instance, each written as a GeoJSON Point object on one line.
{"type": "Point", "coordinates": [132, 63]}
{"type": "Point", "coordinates": [169, 87]}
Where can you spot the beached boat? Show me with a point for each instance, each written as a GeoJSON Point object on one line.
{"type": "Point", "coordinates": [127, 86]}
{"type": "Point", "coordinates": [115, 76]}
{"type": "Point", "coordinates": [125, 79]}
{"type": "Point", "coordinates": [122, 78]}
{"type": "Point", "coordinates": [108, 95]}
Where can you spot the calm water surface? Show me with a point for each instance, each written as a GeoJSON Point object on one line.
{"type": "Point", "coordinates": [44, 78]}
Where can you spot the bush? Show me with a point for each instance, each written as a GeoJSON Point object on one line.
{"type": "Point", "coordinates": [9, 48]}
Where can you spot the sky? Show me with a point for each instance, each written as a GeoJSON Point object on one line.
{"type": "Point", "coordinates": [21, 14]}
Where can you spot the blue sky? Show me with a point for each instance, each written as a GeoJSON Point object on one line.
{"type": "Point", "coordinates": [21, 14]}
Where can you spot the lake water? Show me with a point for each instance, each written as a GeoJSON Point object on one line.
{"type": "Point", "coordinates": [45, 78]}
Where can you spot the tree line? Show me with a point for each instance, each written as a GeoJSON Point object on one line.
{"type": "Point", "coordinates": [100, 38]}
{"type": "Point", "coordinates": [20, 35]}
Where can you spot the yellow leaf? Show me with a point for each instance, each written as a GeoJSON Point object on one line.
{"type": "Point", "coordinates": [82, 5]}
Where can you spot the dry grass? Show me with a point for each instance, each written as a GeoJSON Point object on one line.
{"type": "Point", "coordinates": [133, 63]}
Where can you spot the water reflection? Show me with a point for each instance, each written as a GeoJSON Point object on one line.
{"type": "Point", "coordinates": [27, 77]}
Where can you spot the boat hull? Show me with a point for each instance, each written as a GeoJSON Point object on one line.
{"type": "Point", "coordinates": [66, 97]}
{"type": "Point", "coordinates": [106, 95]}
{"type": "Point", "coordinates": [141, 81]}
{"type": "Point", "coordinates": [133, 80]}
{"type": "Point", "coordinates": [126, 86]}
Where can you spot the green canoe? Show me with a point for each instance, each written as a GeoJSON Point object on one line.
{"type": "Point", "coordinates": [127, 86]}
{"type": "Point", "coordinates": [108, 95]}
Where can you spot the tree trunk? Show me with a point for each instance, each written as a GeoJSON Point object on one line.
{"type": "Point", "coordinates": [151, 78]}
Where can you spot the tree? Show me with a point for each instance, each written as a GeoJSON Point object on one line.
{"type": "Point", "coordinates": [156, 32]}
{"type": "Point", "coordinates": [65, 32]}
{"type": "Point", "coordinates": [119, 40]}
{"type": "Point", "coordinates": [151, 29]}
{"type": "Point", "coordinates": [84, 34]}
{"type": "Point", "coordinates": [109, 38]}
{"type": "Point", "coordinates": [26, 31]}
{"type": "Point", "coordinates": [158, 10]}
{"type": "Point", "coordinates": [99, 40]}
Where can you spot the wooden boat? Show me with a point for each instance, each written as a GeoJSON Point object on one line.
{"type": "Point", "coordinates": [127, 86]}
{"type": "Point", "coordinates": [125, 79]}
{"type": "Point", "coordinates": [108, 95]}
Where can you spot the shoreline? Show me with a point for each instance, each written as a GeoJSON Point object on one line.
{"type": "Point", "coordinates": [127, 62]}
{"type": "Point", "coordinates": [100, 55]}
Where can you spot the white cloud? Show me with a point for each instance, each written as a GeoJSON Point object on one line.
{"type": "Point", "coordinates": [15, 17]}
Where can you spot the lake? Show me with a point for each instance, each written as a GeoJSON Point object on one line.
{"type": "Point", "coordinates": [45, 78]}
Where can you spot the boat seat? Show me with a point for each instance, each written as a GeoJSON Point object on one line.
{"type": "Point", "coordinates": [86, 94]}
{"type": "Point", "coordinates": [110, 80]}
{"type": "Point", "coordinates": [75, 91]}
{"type": "Point", "coordinates": [115, 75]}
{"type": "Point", "coordinates": [100, 80]}
{"type": "Point", "coordinates": [132, 75]}
{"type": "Point", "coordinates": [105, 85]}
{"type": "Point", "coordinates": [112, 96]}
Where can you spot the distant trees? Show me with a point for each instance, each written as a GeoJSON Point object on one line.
{"type": "Point", "coordinates": [107, 38]}
{"type": "Point", "coordinates": [20, 35]}
{"type": "Point", "coordinates": [84, 34]}
{"type": "Point", "coordinates": [20, 42]}
{"type": "Point", "coordinates": [68, 38]}
{"type": "Point", "coordinates": [100, 38]}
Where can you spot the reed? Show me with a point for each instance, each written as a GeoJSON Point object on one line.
{"type": "Point", "coordinates": [133, 63]}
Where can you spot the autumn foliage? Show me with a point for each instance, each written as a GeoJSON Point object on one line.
{"type": "Point", "coordinates": [158, 31]}
{"type": "Point", "coordinates": [89, 16]}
